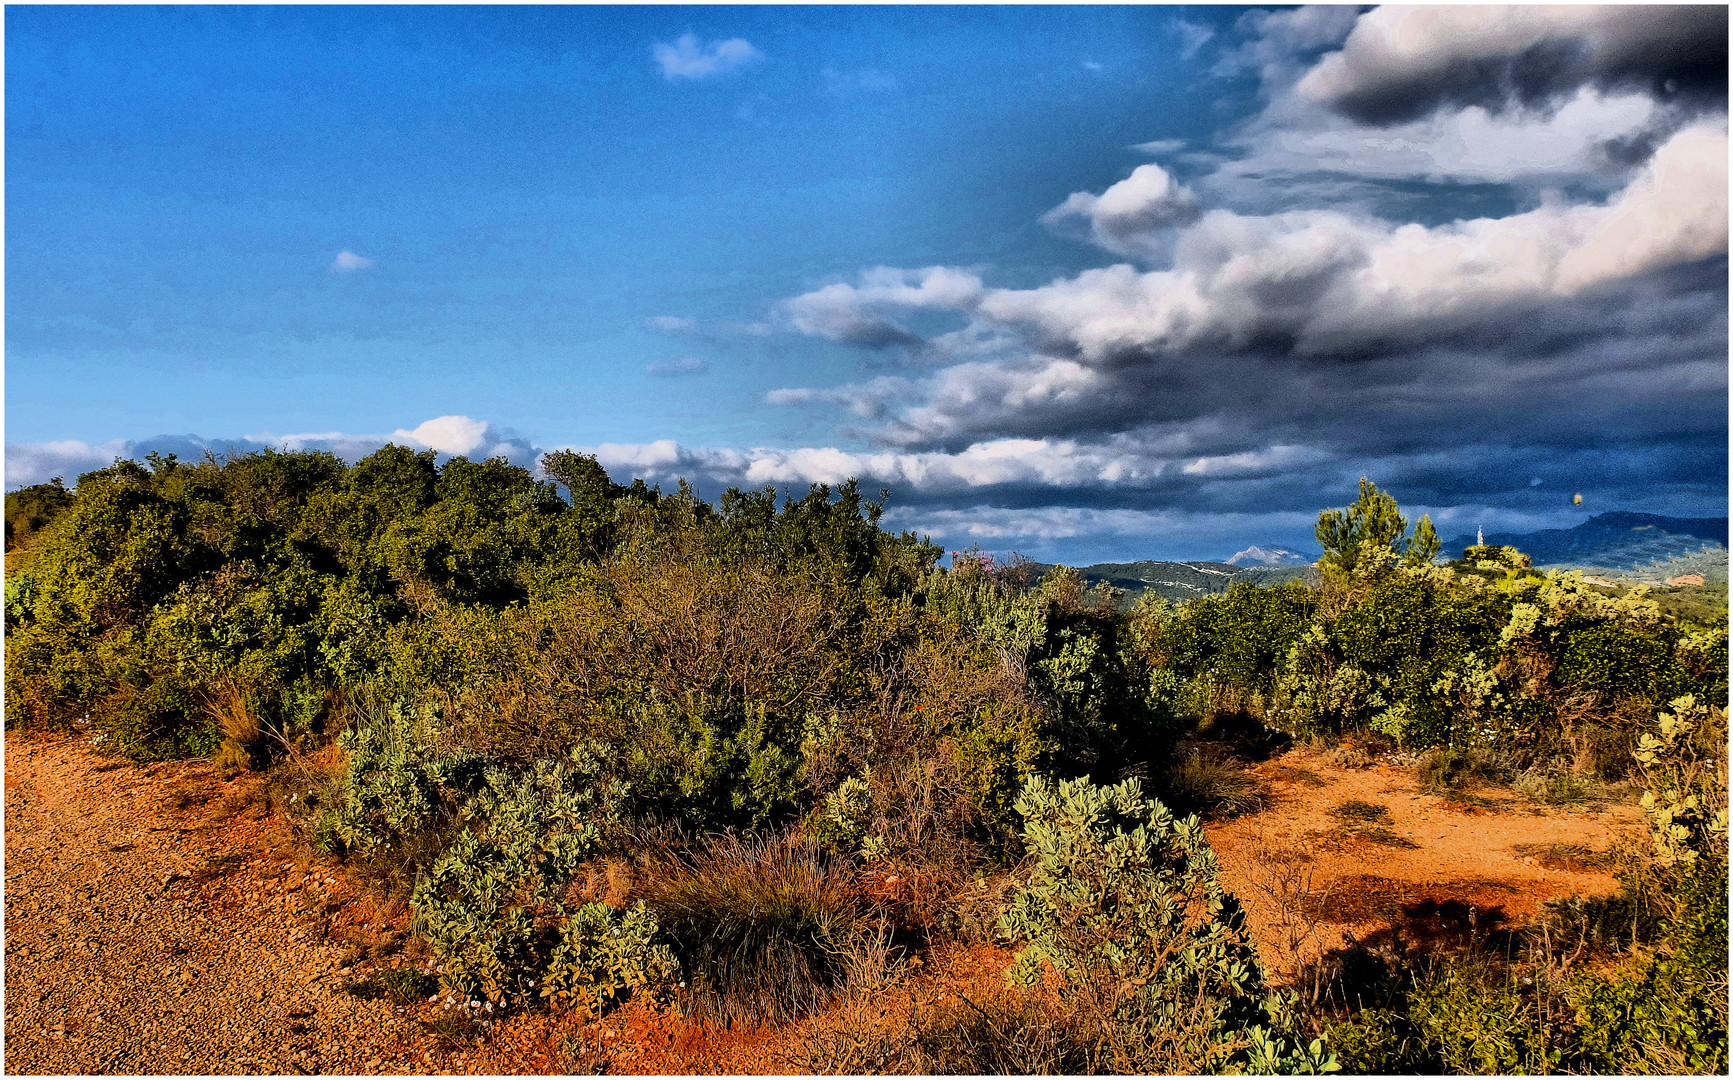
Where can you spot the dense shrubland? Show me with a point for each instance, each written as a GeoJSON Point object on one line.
{"type": "Point", "coordinates": [727, 712]}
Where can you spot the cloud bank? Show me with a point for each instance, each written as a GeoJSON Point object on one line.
{"type": "Point", "coordinates": [1477, 254]}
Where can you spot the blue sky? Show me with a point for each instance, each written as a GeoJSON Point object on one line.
{"type": "Point", "coordinates": [1086, 282]}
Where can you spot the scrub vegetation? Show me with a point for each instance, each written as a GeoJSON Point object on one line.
{"type": "Point", "coordinates": [614, 744]}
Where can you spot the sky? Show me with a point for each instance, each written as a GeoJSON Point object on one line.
{"type": "Point", "coordinates": [1088, 283]}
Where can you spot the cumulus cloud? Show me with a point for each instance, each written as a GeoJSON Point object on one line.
{"type": "Point", "coordinates": [1316, 281]}
{"type": "Point", "coordinates": [1587, 136]}
{"type": "Point", "coordinates": [1402, 62]}
{"type": "Point", "coordinates": [448, 434]}
{"type": "Point", "coordinates": [1275, 357]}
{"type": "Point", "coordinates": [1280, 43]}
{"type": "Point", "coordinates": [683, 365]}
{"type": "Point", "coordinates": [347, 262]}
{"type": "Point", "coordinates": [687, 58]}
{"type": "Point", "coordinates": [1129, 217]}
{"type": "Point", "coordinates": [862, 314]}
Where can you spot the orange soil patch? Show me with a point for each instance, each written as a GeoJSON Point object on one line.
{"type": "Point", "coordinates": [1463, 864]}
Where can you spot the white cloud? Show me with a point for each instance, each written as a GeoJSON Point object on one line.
{"type": "Point", "coordinates": [684, 365]}
{"type": "Point", "coordinates": [347, 262]}
{"type": "Point", "coordinates": [858, 314]}
{"type": "Point", "coordinates": [1327, 280]}
{"type": "Point", "coordinates": [1160, 146]}
{"type": "Point", "coordinates": [993, 463]}
{"type": "Point", "coordinates": [1130, 216]}
{"type": "Point", "coordinates": [993, 525]}
{"type": "Point", "coordinates": [1470, 144]}
{"type": "Point", "coordinates": [37, 463]}
{"type": "Point", "coordinates": [673, 324]}
{"type": "Point", "coordinates": [1280, 40]}
{"type": "Point", "coordinates": [448, 434]}
{"type": "Point", "coordinates": [687, 59]}
{"type": "Point", "coordinates": [1193, 36]}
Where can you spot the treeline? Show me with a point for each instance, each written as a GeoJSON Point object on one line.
{"type": "Point", "coordinates": [749, 701]}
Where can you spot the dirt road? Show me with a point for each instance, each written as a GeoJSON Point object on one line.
{"type": "Point", "coordinates": [133, 945]}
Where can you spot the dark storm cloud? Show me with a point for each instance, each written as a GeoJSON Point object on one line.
{"type": "Point", "coordinates": [1402, 63]}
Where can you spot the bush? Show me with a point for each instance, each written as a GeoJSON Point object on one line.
{"type": "Point", "coordinates": [960, 1037]}
{"type": "Point", "coordinates": [1666, 1012]}
{"type": "Point", "coordinates": [761, 928]}
{"type": "Point", "coordinates": [604, 957]}
{"type": "Point", "coordinates": [1158, 972]}
{"type": "Point", "coordinates": [490, 902]}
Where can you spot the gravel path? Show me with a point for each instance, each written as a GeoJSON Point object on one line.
{"type": "Point", "coordinates": [136, 943]}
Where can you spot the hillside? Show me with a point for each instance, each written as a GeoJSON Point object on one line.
{"type": "Point", "coordinates": [1617, 541]}
{"type": "Point", "coordinates": [1177, 581]}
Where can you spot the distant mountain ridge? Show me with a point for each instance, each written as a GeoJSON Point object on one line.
{"type": "Point", "coordinates": [1616, 540]}
{"type": "Point", "coordinates": [1270, 556]}
{"type": "Point", "coordinates": [1178, 581]}
{"type": "Point", "coordinates": [1635, 546]}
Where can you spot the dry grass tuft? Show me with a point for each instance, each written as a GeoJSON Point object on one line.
{"type": "Point", "coordinates": [1563, 856]}
{"type": "Point", "coordinates": [1358, 811]}
{"type": "Point", "coordinates": [763, 929]}
{"type": "Point", "coordinates": [238, 723]}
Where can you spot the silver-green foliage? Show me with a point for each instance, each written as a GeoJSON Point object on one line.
{"type": "Point", "coordinates": [603, 956]}
{"type": "Point", "coordinates": [493, 897]}
{"type": "Point", "coordinates": [396, 781]}
{"type": "Point", "coordinates": [1124, 903]}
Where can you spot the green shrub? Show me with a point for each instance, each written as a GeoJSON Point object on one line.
{"type": "Point", "coordinates": [1158, 971]}
{"type": "Point", "coordinates": [1483, 1019]}
{"type": "Point", "coordinates": [490, 901]}
{"type": "Point", "coordinates": [1665, 1012]}
{"type": "Point", "coordinates": [161, 722]}
{"type": "Point", "coordinates": [398, 787]}
{"type": "Point", "coordinates": [604, 957]}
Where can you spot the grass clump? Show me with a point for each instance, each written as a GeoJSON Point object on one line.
{"type": "Point", "coordinates": [1378, 834]}
{"type": "Point", "coordinates": [1564, 856]}
{"type": "Point", "coordinates": [1360, 812]}
{"type": "Point", "coordinates": [1560, 789]}
{"type": "Point", "coordinates": [401, 986]}
{"type": "Point", "coordinates": [1452, 771]}
{"type": "Point", "coordinates": [1205, 784]}
{"type": "Point", "coordinates": [761, 929]}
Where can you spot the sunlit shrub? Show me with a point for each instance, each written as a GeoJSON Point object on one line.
{"type": "Point", "coordinates": [1158, 971]}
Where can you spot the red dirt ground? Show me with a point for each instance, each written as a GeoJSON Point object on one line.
{"type": "Point", "coordinates": [1462, 864]}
